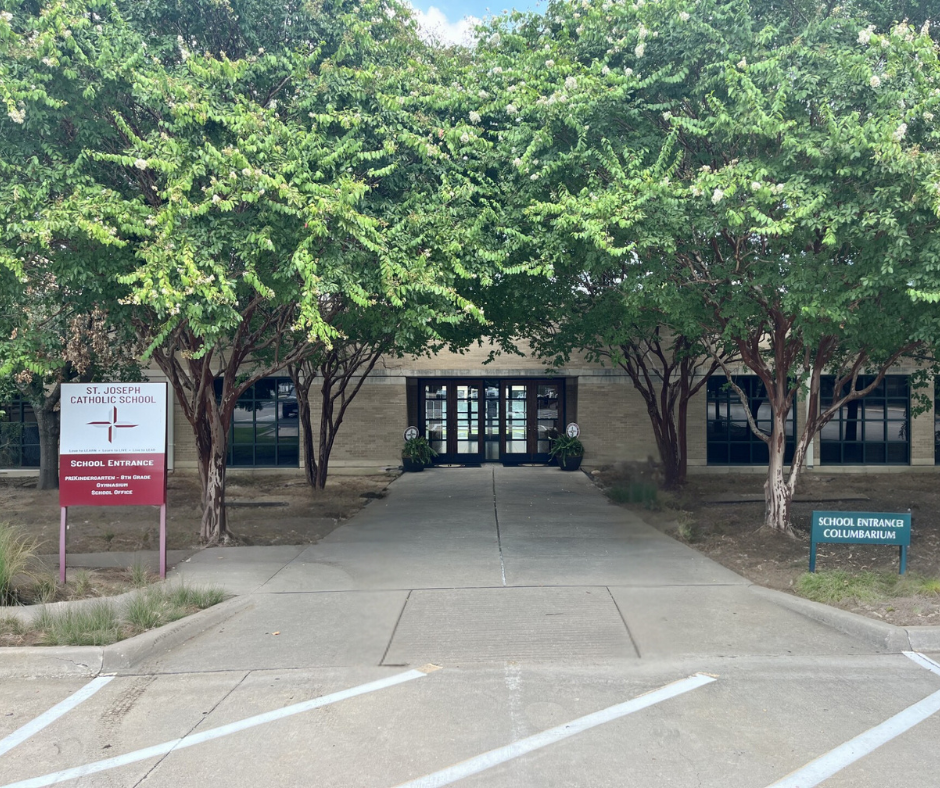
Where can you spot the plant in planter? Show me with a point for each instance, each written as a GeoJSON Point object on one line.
{"type": "Point", "coordinates": [568, 452]}
{"type": "Point", "coordinates": [417, 453]}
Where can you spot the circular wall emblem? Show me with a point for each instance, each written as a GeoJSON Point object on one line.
{"type": "Point", "coordinates": [411, 433]}
{"type": "Point", "coordinates": [572, 430]}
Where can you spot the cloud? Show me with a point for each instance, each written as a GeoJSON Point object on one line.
{"type": "Point", "coordinates": [435, 25]}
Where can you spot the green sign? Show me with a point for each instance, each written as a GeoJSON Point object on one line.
{"type": "Point", "coordinates": [861, 528]}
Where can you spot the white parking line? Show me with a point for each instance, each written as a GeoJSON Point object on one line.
{"type": "Point", "coordinates": [216, 733]}
{"type": "Point", "coordinates": [836, 760]}
{"type": "Point", "coordinates": [924, 662]}
{"type": "Point", "coordinates": [47, 718]}
{"type": "Point", "coordinates": [495, 757]}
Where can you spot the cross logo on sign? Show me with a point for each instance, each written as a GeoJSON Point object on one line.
{"type": "Point", "coordinates": [112, 424]}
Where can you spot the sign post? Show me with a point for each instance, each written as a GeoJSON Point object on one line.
{"type": "Point", "coordinates": [861, 528]}
{"type": "Point", "coordinates": [112, 451]}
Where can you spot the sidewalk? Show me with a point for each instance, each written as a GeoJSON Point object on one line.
{"type": "Point", "coordinates": [491, 564]}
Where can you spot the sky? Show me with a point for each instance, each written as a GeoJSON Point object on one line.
{"type": "Point", "coordinates": [454, 21]}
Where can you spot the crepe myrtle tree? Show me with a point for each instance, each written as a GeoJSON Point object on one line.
{"type": "Point", "coordinates": [255, 161]}
{"type": "Point", "coordinates": [772, 164]}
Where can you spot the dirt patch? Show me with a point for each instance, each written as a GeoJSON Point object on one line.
{"type": "Point", "coordinates": [293, 513]}
{"type": "Point", "coordinates": [731, 533]}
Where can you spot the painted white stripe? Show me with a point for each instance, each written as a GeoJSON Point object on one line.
{"type": "Point", "coordinates": [924, 662]}
{"type": "Point", "coordinates": [31, 728]}
{"type": "Point", "coordinates": [835, 760]}
{"type": "Point", "coordinates": [214, 733]}
{"type": "Point", "coordinates": [553, 735]}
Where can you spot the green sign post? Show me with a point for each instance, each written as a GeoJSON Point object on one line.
{"type": "Point", "coordinates": [861, 528]}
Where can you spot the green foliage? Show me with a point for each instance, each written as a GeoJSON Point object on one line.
{"type": "Point", "coordinates": [840, 586]}
{"type": "Point", "coordinates": [95, 624]}
{"type": "Point", "coordinates": [140, 576]}
{"type": "Point", "coordinates": [645, 493]}
{"type": "Point", "coordinates": [101, 623]}
{"type": "Point", "coordinates": [16, 554]}
{"type": "Point", "coordinates": [562, 447]}
{"type": "Point", "coordinates": [418, 450]}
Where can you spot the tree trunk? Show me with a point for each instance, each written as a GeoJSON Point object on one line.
{"type": "Point", "coordinates": [309, 457]}
{"type": "Point", "coordinates": [673, 462]}
{"type": "Point", "coordinates": [212, 443]}
{"type": "Point", "coordinates": [214, 528]}
{"type": "Point", "coordinates": [48, 423]}
{"type": "Point", "coordinates": [778, 492]}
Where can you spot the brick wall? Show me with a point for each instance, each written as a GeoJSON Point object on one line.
{"type": "Point", "coordinates": [371, 433]}
{"type": "Point", "coordinates": [615, 426]}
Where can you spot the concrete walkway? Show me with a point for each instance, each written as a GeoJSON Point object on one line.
{"type": "Point", "coordinates": [491, 564]}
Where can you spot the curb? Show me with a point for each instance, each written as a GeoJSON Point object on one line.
{"type": "Point", "coordinates": [879, 634]}
{"type": "Point", "coordinates": [88, 661]}
{"type": "Point", "coordinates": [126, 654]}
{"type": "Point", "coordinates": [50, 661]}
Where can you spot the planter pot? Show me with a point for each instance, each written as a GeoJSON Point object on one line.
{"type": "Point", "coordinates": [411, 466]}
{"type": "Point", "coordinates": [570, 463]}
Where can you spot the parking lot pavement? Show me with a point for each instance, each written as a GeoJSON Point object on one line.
{"type": "Point", "coordinates": [747, 724]}
{"type": "Point", "coordinates": [537, 638]}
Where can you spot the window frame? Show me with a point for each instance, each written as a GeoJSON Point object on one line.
{"type": "Point", "coordinates": [862, 450]}
{"type": "Point", "coordinates": [286, 447]}
{"type": "Point", "coordinates": [18, 407]}
{"type": "Point", "coordinates": [718, 392]}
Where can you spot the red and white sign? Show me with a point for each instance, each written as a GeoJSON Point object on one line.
{"type": "Point", "coordinates": [112, 447]}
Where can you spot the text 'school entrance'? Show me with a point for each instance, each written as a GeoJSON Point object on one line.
{"type": "Point", "coordinates": [509, 421]}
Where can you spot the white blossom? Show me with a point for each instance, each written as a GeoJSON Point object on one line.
{"type": "Point", "coordinates": [549, 63]}
{"type": "Point", "coordinates": [742, 63]}
{"type": "Point", "coordinates": [571, 83]}
{"type": "Point", "coordinates": [517, 162]}
{"type": "Point", "coordinates": [246, 172]}
{"type": "Point", "coordinates": [475, 117]}
{"type": "Point", "coordinates": [875, 82]}
{"type": "Point", "coordinates": [925, 29]}
{"type": "Point", "coordinates": [17, 115]}
{"type": "Point", "coordinates": [494, 40]}
{"type": "Point", "coordinates": [7, 16]}
{"type": "Point", "coordinates": [642, 32]}
{"type": "Point", "coordinates": [497, 70]}
{"type": "Point", "coordinates": [755, 186]}
{"type": "Point", "coordinates": [605, 70]}
{"type": "Point", "coordinates": [928, 116]}
{"type": "Point", "coordinates": [717, 196]}
{"type": "Point", "coordinates": [140, 164]}
{"type": "Point", "coordinates": [667, 116]}
{"type": "Point", "coordinates": [511, 109]}
{"type": "Point", "coordinates": [465, 137]}
{"type": "Point", "coordinates": [683, 16]}
{"type": "Point", "coordinates": [696, 191]}
{"type": "Point", "coordinates": [216, 198]}
{"type": "Point", "coordinates": [483, 94]}
{"type": "Point", "coordinates": [640, 49]}
{"type": "Point", "coordinates": [864, 36]}
{"type": "Point", "coordinates": [47, 61]}
{"type": "Point", "coordinates": [628, 72]}
{"type": "Point", "coordinates": [534, 176]}
{"type": "Point", "coordinates": [899, 132]}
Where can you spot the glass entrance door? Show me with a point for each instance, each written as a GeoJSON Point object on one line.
{"type": "Point", "coordinates": [452, 418]}
{"type": "Point", "coordinates": [533, 411]}
{"type": "Point", "coordinates": [472, 421]}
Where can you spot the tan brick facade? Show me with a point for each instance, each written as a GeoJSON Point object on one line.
{"type": "Point", "coordinates": [612, 415]}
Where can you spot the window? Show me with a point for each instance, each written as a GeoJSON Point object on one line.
{"type": "Point", "coordinates": [873, 430]}
{"type": "Point", "coordinates": [19, 436]}
{"type": "Point", "coordinates": [730, 438]}
{"type": "Point", "coordinates": [265, 430]}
